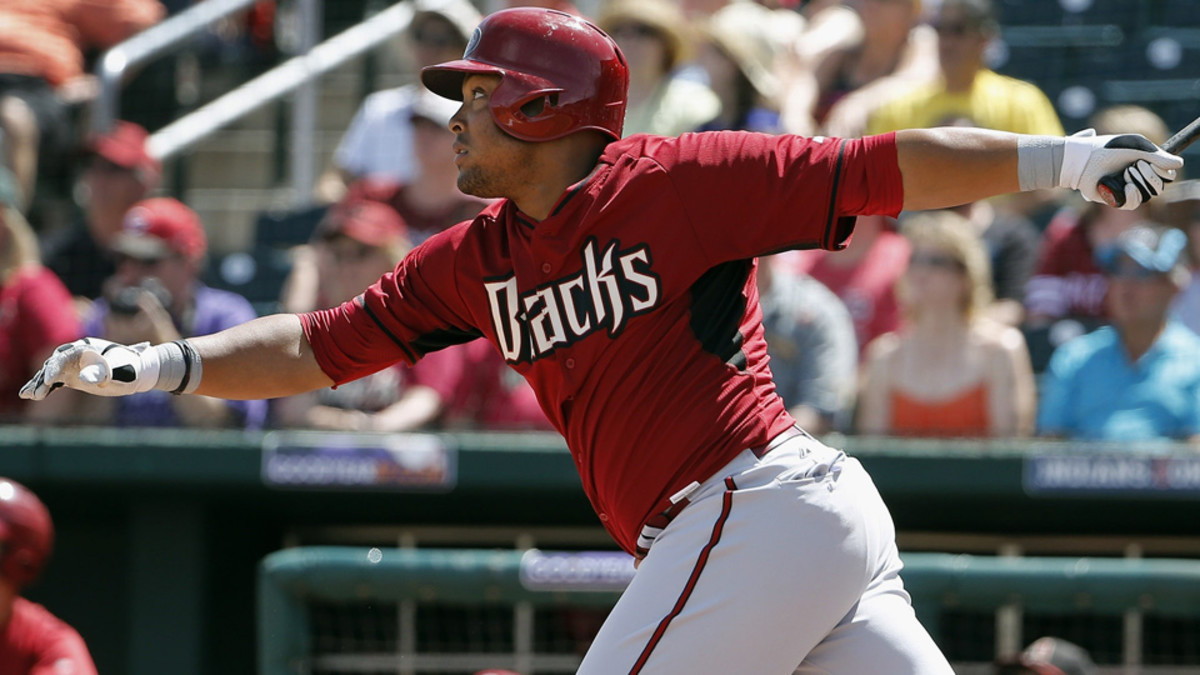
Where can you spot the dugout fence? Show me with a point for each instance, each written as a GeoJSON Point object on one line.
{"type": "Point", "coordinates": [341, 610]}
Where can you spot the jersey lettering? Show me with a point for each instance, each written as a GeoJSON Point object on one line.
{"type": "Point", "coordinates": [613, 286]}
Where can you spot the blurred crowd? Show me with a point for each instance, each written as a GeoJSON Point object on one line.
{"type": "Point", "coordinates": [1035, 314]}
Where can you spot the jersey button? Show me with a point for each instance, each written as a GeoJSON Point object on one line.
{"type": "Point", "coordinates": [546, 268]}
{"type": "Point", "coordinates": [604, 517]}
{"type": "Point", "coordinates": [570, 363]}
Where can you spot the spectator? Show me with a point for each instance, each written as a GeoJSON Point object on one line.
{"type": "Point", "coordinates": [42, 45]}
{"type": "Point", "coordinates": [32, 640]}
{"type": "Point", "coordinates": [851, 56]}
{"type": "Point", "coordinates": [379, 142]}
{"type": "Point", "coordinates": [1066, 282]}
{"type": "Point", "coordinates": [432, 202]}
{"type": "Point", "coordinates": [738, 56]}
{"type": "Point", "coordinates": [155, 295]}
{"type": "Point", "coordinates": [356, 243]}
{"type": "Point", "coordinates": [1184, 203]}
{"type": "Point", "coordinates": [1138, 379]}
{"type": "Point", "coordinates": [950, 372]}
{"type": "Point", "coordinates": [493, 396]}
{"type": "Point", "coordinates": [967, 88]}
{"type": "Point", "coordinates": [120, 172]}
{"type": "Point", "coordinates": [864, 275]}
{"type": "Point", "coordinates": [35, 312]}
{"type": "Point", "coordinates": [810, 338]}
{"type": "Point", "coordinates": [1048, 656]}
{"type": "Point", "coordinates": [652, 33]}
{"type": "Point", "coordinates": [1012, 245]}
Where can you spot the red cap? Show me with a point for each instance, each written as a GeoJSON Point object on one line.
{"type": "Point", "coordinates": [125, 146]}
{"type": "Point", "coordinates": [365, 221]}
{"type": "Point", "coordinates": [155, 228]}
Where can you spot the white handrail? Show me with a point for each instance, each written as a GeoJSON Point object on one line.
{"type": "Point", "coordinates": [279, 81]}
{"type": "Point", "coordinates": [118, 60]}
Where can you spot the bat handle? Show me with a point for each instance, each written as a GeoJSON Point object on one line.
{"type": "Point", "coordinates": [1112, 189]}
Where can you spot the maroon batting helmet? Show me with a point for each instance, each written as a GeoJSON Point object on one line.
{"type": "Point", "coordinates": [575, 68]}
{"type": "Point", "coordinates": [26, 533]}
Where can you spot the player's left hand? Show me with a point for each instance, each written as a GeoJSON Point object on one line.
{"type": "Point", "coordinates": [1145, 167]}
{"type": "Point", "coordinates": [97, 367]}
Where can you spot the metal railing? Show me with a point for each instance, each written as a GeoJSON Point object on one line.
{"type": "Point", "coordinates": [298, 74]}
{"type": "Point", "coordinates": [170, 34]}
{"type": "Point", "coordinates": [289, 76]}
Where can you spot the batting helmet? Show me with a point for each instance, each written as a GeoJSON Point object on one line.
{"type": "Point", "coordinates": [569, 64]}
{"type": "Point", "coordinates": [26, 533]}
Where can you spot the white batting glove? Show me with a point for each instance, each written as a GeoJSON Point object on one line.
{"type": "Point", "coordinates": [97, 367]}
{"type": "Point", "coordinates": [1145, 167]}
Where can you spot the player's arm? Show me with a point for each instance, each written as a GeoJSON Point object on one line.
{"type": "Point", "coordinates": [263, 358]}
{"type": "Point", "coordinates": [268, 357]}
{"type": "Point", "coordinates": [955, 165]}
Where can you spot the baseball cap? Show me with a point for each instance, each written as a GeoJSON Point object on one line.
{"type": "Point", "coordinates": [430, 106]}
{"type": "Point", "coordinates": [158, 227]}
{"type": "Point", "coordinates": [365, 221]}
{"type": "Point", "coordinates": [125, 146]}
{"type": "Point", "coordinates": [1152, 250]}
{"type": "Point", "coordinates": [1050, 656]}
{"type": "Point", "coordinates": [461, 14]}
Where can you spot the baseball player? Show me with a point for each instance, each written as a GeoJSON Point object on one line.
{"type": "Point", "coordinates": [617, 276]}
{"type": "Point", "coordinates": [32, 640]}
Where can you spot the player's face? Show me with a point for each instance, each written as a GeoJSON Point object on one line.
{"type": "Point", "coordinates": [490, 162]}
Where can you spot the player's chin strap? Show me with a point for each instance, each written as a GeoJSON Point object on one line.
{"type": "Point", "coordinates": [179, 367]}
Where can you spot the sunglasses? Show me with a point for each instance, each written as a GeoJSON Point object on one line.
{"type": "Point", "coordinates": [1131, 272]}
{"type": "Point", "coordinates": [634, 30]}
{"type": "Point", "coordinates": [938, 261]}
{"type": "Point", "coordinates": [120, 259]}
{"type": "Point", "coordinates": [954, 29]}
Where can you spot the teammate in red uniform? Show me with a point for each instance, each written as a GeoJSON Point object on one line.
{"type": "Point", "coordinates": [32, 640]}
{"type": "Point", "coordinates": [617, 276]}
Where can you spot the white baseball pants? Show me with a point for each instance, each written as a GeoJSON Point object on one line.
{"type": "Point", "coordinates": [779, 565]}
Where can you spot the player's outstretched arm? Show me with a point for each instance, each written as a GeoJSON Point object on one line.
{"type": "Point", "coordinates": [264, 358]}
{"type": "Point", "coordinates": [956, 165]}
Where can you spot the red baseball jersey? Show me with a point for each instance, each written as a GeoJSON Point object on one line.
{"type": "Point", "coordinates": [35, 642]}
{"type": "Point", "coordinates": [632, 308]}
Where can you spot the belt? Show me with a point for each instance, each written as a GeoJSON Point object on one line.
{"type": "Point", "coordinates": [658, 522]}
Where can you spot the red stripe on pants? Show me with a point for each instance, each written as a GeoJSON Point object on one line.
{"type": "Point", "coordinates": [718, 527]}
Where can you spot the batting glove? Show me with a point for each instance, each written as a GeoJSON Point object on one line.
{"type": "Point", "coordinates": [97, 367]}
{"type": "Point", "coordinates": [1145, 167]}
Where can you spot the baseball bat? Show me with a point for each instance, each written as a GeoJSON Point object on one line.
{"type": "Point", "coordinates": [1112, 186]}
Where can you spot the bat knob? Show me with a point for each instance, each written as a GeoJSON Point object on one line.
{"type": "Point", "coordinates": [1111, 190]}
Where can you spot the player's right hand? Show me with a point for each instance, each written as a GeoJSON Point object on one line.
{"type": "Point", "coordinates": [97, 367]}
{"type": "Point", "coordinates": [1144, 167]}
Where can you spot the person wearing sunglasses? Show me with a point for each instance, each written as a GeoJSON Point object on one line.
{"type": "Point", "coordinates": [1139, 378]}
{"type": "Point", "coordinates": [653, 35]}
{"type": "Point", "coordinates": [951, 371]}
{"type": "Point", "coordinates": [358, 241]}
{"type": "Point", "coordinates": [966, 87]}
{"type": "Point", "coordinates": [379, 144]}
{"type": "Point", "coordinates": [155, 295]}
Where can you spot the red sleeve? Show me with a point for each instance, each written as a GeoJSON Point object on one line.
{"type": "Point", "coordinates": [47, 314]}
{"type": "Point", "coordinates": [749, 194]}
{"type": "Point", "coordinates": [409, 312]}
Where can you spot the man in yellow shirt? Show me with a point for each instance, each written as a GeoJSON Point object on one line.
{"type": "Point", "coordinates": [967, 91]}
